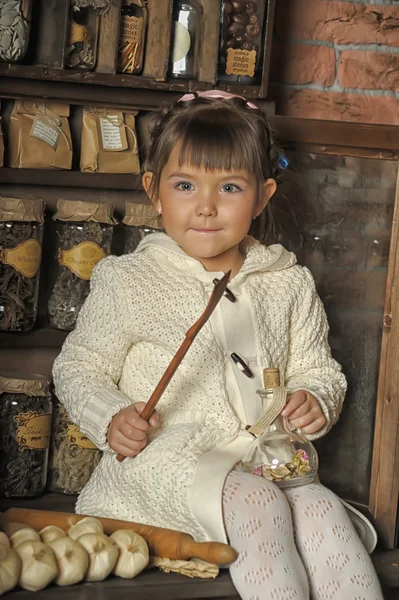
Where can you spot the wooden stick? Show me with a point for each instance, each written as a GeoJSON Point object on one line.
{"type": "Point", "coordinates": [217, 293]}
{"type": "Point", "coordinates": [166, 543]}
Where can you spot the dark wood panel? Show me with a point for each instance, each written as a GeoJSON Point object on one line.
{"type": "Point", "coordinates": [37, 338]}
{"type": "Point", "coordinates": [267, 47]}
{"type": "Point", "coordinates": [50, 23]}
{"type": "Point", "coordinates": [108, 40]}
{"type": "Point", "coordinates": [70, 179]}
{"type": "Point", "coordinates": [159, 32]}
{"type": "Point", "coordinates": [208, 52]}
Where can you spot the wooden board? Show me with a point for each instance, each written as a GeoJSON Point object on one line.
{"type": "Point", "coordinates": [159, 31]}
{"type": "Point", "coordinates": [384, 486]}
{"type": "Point", "coordinates": [108, 41]}
{"type": "Point", "coordinates": [209, 42]}
{"type": "Point", "coordinates": [50, 24]}
{"type": "Point", "coordinates": [267, 46]}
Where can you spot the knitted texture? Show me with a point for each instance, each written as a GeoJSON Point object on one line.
{"type": "Point", "coordinates": [135, 318]}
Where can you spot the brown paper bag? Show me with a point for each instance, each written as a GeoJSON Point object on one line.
{"type": "Point", "coordinates": [109, 142]}
{"type": "Point", "coordinates": [39, 136]}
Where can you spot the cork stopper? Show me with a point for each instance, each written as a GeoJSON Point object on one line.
{"type": "Point", "coordinates": [271, 378]}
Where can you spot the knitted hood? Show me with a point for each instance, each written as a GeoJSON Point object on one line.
{"type": "Point", "coordinates": [258, 257]}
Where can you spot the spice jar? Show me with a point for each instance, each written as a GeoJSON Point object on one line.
{"type": "Point", "coordinates": [139, 221]}
{"type": "Point", "coordinates": [278, 454]}
{"type": "Point", "coordinates": [84, 237]}
{"type": "Point", "coordinates": [15, 18]}
{"type": "Point", "coordinates": [186, 19]}
{"type": "Point", "coordinates": [25, 427]}
{"type": "Point", "coordinates": [21, 236]}
{"type": "Point", "coordinates": [132, 36]}
{"type": "Point", "coordinates": [241, 40]}
{"type": "Point", "coordinates": [81, 51]}
{"type": "Point", "coordinates": [73, 457]}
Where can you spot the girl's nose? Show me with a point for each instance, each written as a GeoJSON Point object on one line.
{"type": "Point", "coordinates": [206, 206]}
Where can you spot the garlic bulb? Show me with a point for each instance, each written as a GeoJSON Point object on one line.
{"type": "Point", "coordinates": [10, 566]}
{"type": "Point", "coordinates": [23, 535]}
{"type": "Point", "coordinates": [85, 525]}
{"type": "Point", "coordinates": [39, 566]}
{"type": "Point", "coordinates": [103, 554]}
{"type": "Point", "coordinates": [72, 560]}
{"type": "Point", "coordinates": [4, 541]}
{"type": "Point", "coordinates": [133, 553]}
{"type": "Point", "coordinates": [50, 533]}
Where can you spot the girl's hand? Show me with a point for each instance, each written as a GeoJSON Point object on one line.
{"type": "Point", "coordinates": [304, 412]}
{"type": "Point", "coordinates": [127, 433]}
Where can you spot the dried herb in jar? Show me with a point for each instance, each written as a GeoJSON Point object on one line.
{"type": "Point", "coordinates": [15, 19]}
{"type": "Point", "coordinates": [25, 426]}
{"type": "Point", "coordinates": [73, 457]}
{"type": "Point", "coordinates": [132, 37]}
{"type": "Point", "coordinates": [139, 220]}
{"type": "Point", "coordinates": [21, 235]}
{"type": "Point", "coordinates": [84, 234]}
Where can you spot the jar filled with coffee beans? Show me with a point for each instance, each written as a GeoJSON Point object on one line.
{"type": "Point", "coordinates": [21, 235]}
{"type": "Point", "coordinates": [15, 18]}
{"type": "Point", "coordinates": [25, 428]}
{"type": "Point", "coordinates": [240, 55]}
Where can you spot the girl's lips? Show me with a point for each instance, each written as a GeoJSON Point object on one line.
{"type": "Point", "coordinates": [205, 230]}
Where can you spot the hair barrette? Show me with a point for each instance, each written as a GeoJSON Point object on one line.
{"type": "Point", "coordinates": [283, 162]}
{"type": "Point", "coordinates": [215, 94]}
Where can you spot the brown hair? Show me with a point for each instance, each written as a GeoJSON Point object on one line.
{"type": "Point", "coordinates": [215, 134]}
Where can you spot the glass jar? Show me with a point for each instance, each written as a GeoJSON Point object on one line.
{"type": "Point", "coordinates": [240, 57]}
{"type": "Point", "coordinates": [186, 19]}
{"type": "Point", "coordinates": [15, 19]}
{"type": "Point", "coordinates": [139, 220]}
{"type": "Point", "coordinates": [73, 457]}
{"type": "Point", "coordinates": [21, 237]}
{"type": "Point", "coordinates": [25, 427]}
{"type": "Point", "coordinates": [132, 36]}
{"type": "Point", "coordinates": [84, 237]}
{"type": "Point", "coordinates": [81, 51]}
{"type": "Point", "coordinates": [278, 454]}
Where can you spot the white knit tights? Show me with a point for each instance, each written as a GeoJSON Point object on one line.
{"type": "Point", "coordinates": [294, 545]}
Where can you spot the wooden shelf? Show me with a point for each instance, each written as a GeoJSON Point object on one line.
{"type": "Point", "coordinates": [44, 337]}
{"type": "Point", "coordinates": [69, 179]}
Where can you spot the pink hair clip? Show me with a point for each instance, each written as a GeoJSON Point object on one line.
{"type": "Point", "coordinates": [215, 94]}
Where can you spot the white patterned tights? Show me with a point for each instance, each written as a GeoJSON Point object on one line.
{"type": "Point", "coordinates": [294, 545]}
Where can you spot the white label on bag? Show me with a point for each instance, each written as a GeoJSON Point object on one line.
{"type": "Point", "coordinates": [111, 133]}
{"type": "Point", "coordinates": [43, 130]}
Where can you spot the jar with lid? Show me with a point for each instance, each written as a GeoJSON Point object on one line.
{"type": "Point", "coordinates": [185, 39]}
{"type": "Point", "coordinates": [73, 457]}
{"type": "Point", "coordinates": [15, 20]}
{"type": "Point", "coordinates": [83, 31]}
{"type": "Point", "coordinates": [21, 236]}
{"type": "Point", "coordinates": [25, 427]}
{"type": "Point", "coordinates": [240, 56]}
{"type": "Point", "coordinates": [132, 36]}
{"type": "Point", "coordinates": [277, 453]}
{"type": "Point", "coordinates": [84, 237]}
{"type": "Point", "coordinates": [139, 220]}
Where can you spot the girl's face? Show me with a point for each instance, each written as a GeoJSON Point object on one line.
{"type": "Point", "coordinates": [208, 213]}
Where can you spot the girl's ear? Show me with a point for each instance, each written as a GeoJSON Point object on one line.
{"type": "Point", "coordinates": [147, 180]}
{"type": "Point", "coordinates": [269, 188]}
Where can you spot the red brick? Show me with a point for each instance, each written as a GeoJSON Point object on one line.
{"type": "Point", "coordinates": [369, 70]}
{"type": "Point", "coordinates": [339, 22]}
{"type": "Point", "coordinates": [336, 106]}
{"type": "Point", "coordinates": [300, 63]}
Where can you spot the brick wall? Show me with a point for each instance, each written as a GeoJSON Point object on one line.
{"type": "Point", "coordinates": [337, 60]}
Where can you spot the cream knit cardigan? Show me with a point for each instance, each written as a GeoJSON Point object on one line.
{"type": "Point", "coordinates": [139, 308]}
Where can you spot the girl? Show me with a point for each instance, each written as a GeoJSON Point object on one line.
{"type": "Point", "coordinates": [211, 170]}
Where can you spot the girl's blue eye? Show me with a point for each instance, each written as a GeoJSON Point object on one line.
{"type": "Point", "coordinates": [230, 187]}
{"type": "Point", "coordinates": [184, 186]}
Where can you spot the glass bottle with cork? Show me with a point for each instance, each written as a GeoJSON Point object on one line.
{"type": "Point", "coordinates": [278, 454]}
{"type": "Point", "coordinates": [187, 22]}
{"type": "Point", "coordinates": [132, 36]}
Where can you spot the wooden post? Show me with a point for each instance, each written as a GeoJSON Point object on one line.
{"type": "Point", "coordinates": [109, 40]}
{"type": "Point", "coordinates": [267, 46]}
{"type": "Point", "coordinates": [50, 19]}
{"type": "Point", "coordinates": [209, 43]}
{"type": "Point", "coordinates": [384, 486]}
{"type": "Point", "coordinates": [159, 32]}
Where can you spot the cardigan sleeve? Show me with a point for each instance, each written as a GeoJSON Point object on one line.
{"type": "Point", "coordinates": [310, 366]}
{"type": "Point", "coordinates": [87, 371]}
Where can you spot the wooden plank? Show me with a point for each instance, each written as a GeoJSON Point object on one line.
{"type": "Point", "coordinates": [159, 32]}
{"type": "Point", "coordinates": [209, 41]}
{"type": "Point", "coordinates": [267, 46]}
{"type": "Point", "coordinates": [384, 486]}
{"type": "Point", "coordinates": [109, 39]}
{"type": "Point", "coordinates": [45, 177]}
{"type": "Point", "coordinates": [50, 19]}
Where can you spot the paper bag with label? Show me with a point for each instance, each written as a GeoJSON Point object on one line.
{"type": "Point", "coordinates": [39, 136]}
{"type": "Point", "coordinates": [109, 142]}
